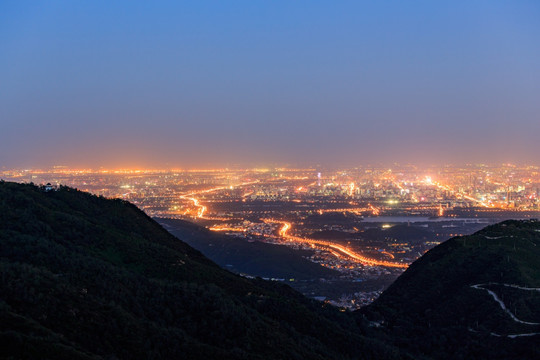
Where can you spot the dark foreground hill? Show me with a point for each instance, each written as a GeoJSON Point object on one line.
{"type": "Point", "coordinates": [83, 277]}
{"type": "Point", "coordinates": [475, 296]}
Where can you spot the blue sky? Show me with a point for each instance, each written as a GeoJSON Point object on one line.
{"type": "Point", "coordinates": [209, 83]}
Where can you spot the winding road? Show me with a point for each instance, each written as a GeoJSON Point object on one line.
{"type": "Point", "coordinates": [284, 232]}
{"type": "Point", "coordinates": [505, 309]}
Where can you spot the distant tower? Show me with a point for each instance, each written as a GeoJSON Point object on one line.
{"type": "Point", "coordinates": [319, 179]}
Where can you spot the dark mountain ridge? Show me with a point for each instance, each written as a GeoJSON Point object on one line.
{"type": "Point", "coordinates": [477, 294]}
{"type": "Point", "coordinates": [84, 277]}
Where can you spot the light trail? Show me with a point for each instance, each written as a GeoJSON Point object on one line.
{"type": "Point", "coordinates": [226, 228]}
{"type": "Point", "coordinates": [470, 198]}
{"type": "Point", "coordinates": [352, 210]}
{"type": "Point", "coordinates": [201, 209]}
{"type": "Point", "coordinates": [375, 211]}
{"type": "Point", "coordinates": [283, 232]}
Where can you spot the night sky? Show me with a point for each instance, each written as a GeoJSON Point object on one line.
{"type": "Point", "coordinates": [258, 83]}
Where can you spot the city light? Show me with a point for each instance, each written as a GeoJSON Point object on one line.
{"type": "Point", "coordinates": [267, 204]}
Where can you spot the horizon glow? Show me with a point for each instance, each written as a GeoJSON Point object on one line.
{"type": "Point", "coordinates": [206, 84]}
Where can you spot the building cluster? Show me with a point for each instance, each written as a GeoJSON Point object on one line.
{"type": "Point", "coordinates": [254, 204]}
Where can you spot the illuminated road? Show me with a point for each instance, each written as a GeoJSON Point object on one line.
{"type": "Point", "coordinates": [226, 229]}
{"type": "Point", "coordinates": [376, 211]}
{"type": "Point", "coordinates": [283, 232]}
{"type": "Point", "coordinates": [201, 209]}
{"type": "Point", "coordinates": [358, 210]}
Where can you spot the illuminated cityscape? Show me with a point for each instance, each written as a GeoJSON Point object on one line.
{"type": "Point", "coordinates": [343, 217]}
{"type": "Point", "coordinates": [269, 180]}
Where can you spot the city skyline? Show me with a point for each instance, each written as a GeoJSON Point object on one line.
{"type": "Point", "coordinates": [246, 84]}
{"type": "Point", "coordinates": [368, 223]}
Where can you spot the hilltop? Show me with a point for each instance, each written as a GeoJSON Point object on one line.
{"type": "Point", "coordinates": [474, 296]}
{"type": "Point", "coordinates": [84, 277]}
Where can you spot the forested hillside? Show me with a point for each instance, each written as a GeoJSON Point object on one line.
{"type": "Point", "coordinates": [474, 296]}
{"type": "Point", "coordinates": [83, 277]}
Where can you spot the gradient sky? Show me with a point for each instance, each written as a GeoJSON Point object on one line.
{"type": "Point", "coordinates": [206, 83]}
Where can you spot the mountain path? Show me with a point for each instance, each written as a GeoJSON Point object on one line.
{"type": "Point", "coordinates": [505, 309]}
{"type": "Point", "coordinates": [501, 303]}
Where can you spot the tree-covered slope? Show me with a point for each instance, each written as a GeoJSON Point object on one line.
{"type": "Point", "coordinates": [83, 277]}
{"type": "Point", "coordinates": [475, 296]}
